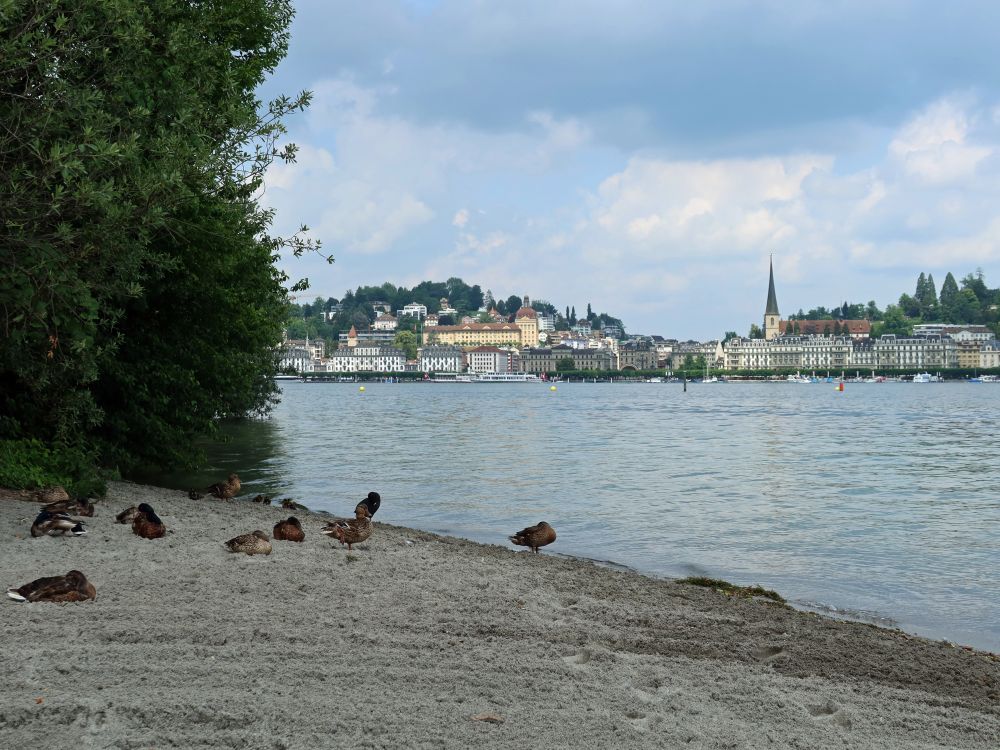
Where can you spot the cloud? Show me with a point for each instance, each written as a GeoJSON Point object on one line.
{"type": "Point", "coordinates": [461, 218]}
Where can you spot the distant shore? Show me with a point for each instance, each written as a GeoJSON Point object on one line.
{"type": "Point", "coordinates": [419, 640]}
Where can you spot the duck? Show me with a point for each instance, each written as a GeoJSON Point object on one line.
{"type": "Point", "coordinates": [128, 515]}
{"type": "Point", "coordinates": [223, 490]}
{"type": "Point", "coordinates": [289, 504]}
{"type": "Point", "coordinates": [351, 531]}
{"type": "Point", "coordinates": [254, 543]}
{"type": "Point", "coordinates": [72, 587]}
{"type": "Point", "coordinates": [53, 494]}
{"type": "Point", "coordinates": [289, 530]}
{"type": "Point", "coordinates": [147, 524]}
{"type": "Point", "coordinates": [79, 507]}
{"type": "Point", "coordinates": [535, 536]}
{"type": "Point", "coordinates": [372, 503]}
{"type": "Point", "coordinates": [56, 524]}
{"type": "Point", "coordinates": [262, 499]}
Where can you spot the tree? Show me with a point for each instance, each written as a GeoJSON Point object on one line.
{"type": "Point", "coordinates": [590, 313]}
{"type": "Point", "coordinates": [909, 305]}
{"type": "Point", "coordinates": [893, 322]}
{"type": "Point", "coordinates": [513, 304]}
{"type": "Point", "coordinates": [755, 332]}
{"type": "Point", "coordinates": [949, 298]}
{"type": "Point", "coordinates": [730, 335]}
{"type": "Point", "coordinates": [565, 364]}
{"type": "Point", "coordinates": [572, 316]}
{"type": "Point", "coordinates": [132, 156]}
{"type": "Point", "coordinates": [407, 341]}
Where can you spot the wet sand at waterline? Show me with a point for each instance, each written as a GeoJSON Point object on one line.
{"type": "Point", "coordinates": [404, 642]}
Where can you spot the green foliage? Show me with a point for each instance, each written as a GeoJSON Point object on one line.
{"type": "Point", "coordinates": [29, 464]}
{"type": "Point", "coordinates": [565, 364]}
{"type": "Point", "coordinates": [140, 298]}
{"type": "Point", "coordinates": [756, 332]}
{"type": "Point", "coordinates": [731, 589]}
{"type": "Point", "coordinates": [407, 341]}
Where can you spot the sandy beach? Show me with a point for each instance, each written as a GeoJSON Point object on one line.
{"type": "Point", "coordinates": [403, 642]}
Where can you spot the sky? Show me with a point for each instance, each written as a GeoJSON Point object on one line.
{"type": "Point", "coordinates": [646, 158]}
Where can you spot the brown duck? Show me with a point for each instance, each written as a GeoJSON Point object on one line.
{"type": "Point", "coordinates": [128, 515]}
{"type": "Point", "coordinates": [223, 490]}
{"type": "Point", "coordinates": [351, 531]}
{"type": "Point", "coordinates": [79, 507]}
{"type": "Point", "coordinates": [72, 587]}
{"type": "Point", "coordinates": [56, 524]}
{"type": "Point", "coordinates": [289, 530]}
{"type": "Point", "coordinates": [255, 543]}
{"type": "Point", "coordinates": [147, 524]}
{"type": "Point", "coordinates": [535, 536]}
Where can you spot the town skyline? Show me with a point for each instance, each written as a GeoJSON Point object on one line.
{"type": "Point", "coordinates": [658, 184]}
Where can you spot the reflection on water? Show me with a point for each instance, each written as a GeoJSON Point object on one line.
{"type": "Point", "coordinates": [879, 500]}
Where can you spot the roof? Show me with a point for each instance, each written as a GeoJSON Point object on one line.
{"type": "Point", "coordinates": [487, 349]}
{"type": "Point", "coordinates": [479, 327]}
{"type": "Point", "coordinates": [526, 312]}
{"type": "Point", "coordinates": [772, 298]}
{"type": "Point", "coordinates": [386, 316]}
{"type": "Point", "coordinates": [815, 327]}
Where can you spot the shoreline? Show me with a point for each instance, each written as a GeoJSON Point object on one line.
{"type": "Point", "coordinates": [406, 640]}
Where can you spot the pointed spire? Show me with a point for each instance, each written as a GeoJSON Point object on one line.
{"type": "Point", "coordinates": [772, 298]}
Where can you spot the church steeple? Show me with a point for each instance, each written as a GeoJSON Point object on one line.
{"type": "Point", "coordinates": [772, 298]}
{"type": "Point", "coordinates": [772, 318]}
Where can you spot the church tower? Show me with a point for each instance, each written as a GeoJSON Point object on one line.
{"type": "Point", "coordinates": [772, 318]}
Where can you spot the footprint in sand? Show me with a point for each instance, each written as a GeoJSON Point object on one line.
{"type": "Point", "coordinates": [638, 720]}
{"type": "Point", "coordinates": [580, 659]}
{"type": "Point", "coordinates": [830, 712]}
{"type": "Point", "coordinates": [768, 654]}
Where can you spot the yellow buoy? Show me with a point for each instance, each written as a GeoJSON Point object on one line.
{"type": "Point", "coordinates": [362, 389]}
{"type": "Point", "coordinates": [552, 387]}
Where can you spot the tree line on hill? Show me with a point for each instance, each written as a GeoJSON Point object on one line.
{"type": "Point", "coordinates": [328, 318]}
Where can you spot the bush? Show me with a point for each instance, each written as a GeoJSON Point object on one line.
{"type": "Point", "coordinates": [29, 464]}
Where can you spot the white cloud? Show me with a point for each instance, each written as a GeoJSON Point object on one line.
{"type": "Point", "coordinates": [461, 218]}
{"type": "Point", "coordinates": [933, 147]}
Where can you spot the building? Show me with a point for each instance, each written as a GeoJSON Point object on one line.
{"type": "Point", "coordinates": [315, 347]}
{"type": "Point", "coordinates": [967, 353]}
{"type": "Point", "coordinates": [856, 329]}
{"type": "Point", "coordinates": [489, 359]}
{"type": "Point", "coordinates": [295, 359]}
{"type": "Point", "coordinates": [385, 322]}
{"type": "Point", "coordinates": [989, 355]}
{"type": "Point", "coordinates": [431, 320]}
{"type": "Point", "coordinates": [546, 323]}
{"type": "Point", "coordinates": [441, 359]}
{"type": "Point", "coordinates": [414, 310]}
{"type": "Point", "coordinates": [547, 359]}
{"type": "Point", "coordinates": [447, 309]}
{"type": "Point", "coordinates": [772, 318]}
{"type": "Point", "coordinates": [954, 331]}
{"type": "Point", "coordinates": [634, 355]}
{"type": "Point", "coordinates": [526, 319]}
{"type": "Point", "coordinates": [915, 352]}
{"type": "Point", "coordinates": [367, 358]}
{"type": "Point", "coordinates": [352, 338]}
{"type": "Point", "coordinates": [475, 334]}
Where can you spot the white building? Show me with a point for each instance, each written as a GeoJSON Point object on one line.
{"type": "Point", "coordinates": [916, 352]}
{"type": "Point", "coordinates": [364, 358]}
{"type": "Point", "coordinates": [546, 323]}
{"type": "Point", "coordinates": [489, 359]}
{"type": "Point", "coordinates": [414, 309]}
{"type": "Point", "coordinates": [385, 322]}
{"type": "Point", "coordinates": [447, 309]}
{"type": "Point", "coordinates": [954, 332]}
{"type": "Point", "coordinates": [297, 359]}
{"type": "Point", "coordinates": [989, 355]}
{"type": "Point", "coordinates": [441, 359]}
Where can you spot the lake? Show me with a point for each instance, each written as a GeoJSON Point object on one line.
{"type": "Point", "coordinates": [880, 503]}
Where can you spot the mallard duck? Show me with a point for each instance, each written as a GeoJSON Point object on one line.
{"type": "Point", "coordinates": [263, 499]}
{"type": "Point", "coordinates": [223, 490]}
{"type": "Point", "coordinates": [535, 536]}
{"type": "Point", "coordinates": [147, 524]}
{"type": "Point", "coordinates": [128, 515]}
{"type": "Point", "coordinates": [288, 504]}
{"type": "Point", "coordinates": [56, 524]}
{"type": "Point", "coordinates": [289, 530]}
{"type": "Point", "coordinates": [79, 507]}
{"type": "Point", "coordinates": [72, 587]}
{"type": "Point", "coordinates": [351, 530]}
{"type": "Point", "coordinates": [255, 543]}
{"type": "Point", "coordinates": [372, 503]}
{"type": "Point", "coordinates": [50, 494]}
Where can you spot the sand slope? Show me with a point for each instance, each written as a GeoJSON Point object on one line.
{"type": "Point", "coordinates": [191, 646]}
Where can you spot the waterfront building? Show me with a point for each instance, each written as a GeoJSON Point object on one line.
{"type": "Point", "coordinates": [915, 352]}
{"type": "Point", "coordinates": [296, 359]}
{"type": "Point", "coordinates": [441, 359]}
{"type": "Point", "coordinates": [546, 359]}
{"type": "Point", "coordinates": [315, 347]}
{"type": "Point", "coordinates": [526, 319]}
{"type": "Point", "coordinates": [989, 355]}
{"type": "Point", "coordinates": [635, 355]}
{"type": "Point", "coordinates": [967, 353]}
{"type": "Point", "coordinates": [367, 358]}
{"type": "Point", "coordinates": [489, 359]}
{"type": "Point", "coordinates": [385, 322]}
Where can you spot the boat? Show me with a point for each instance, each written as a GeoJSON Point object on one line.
{"type": "Point", "coordinates": [988, 378]}
{"type": "Point", "coordinates": [926, 377]}
{"type": "Point", "coordinates": [798, 378]}
{"type": "Point", "coordinates": [506, 377]}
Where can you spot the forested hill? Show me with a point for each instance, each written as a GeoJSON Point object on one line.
{"type": "Point", "coordinates": [327, 318]}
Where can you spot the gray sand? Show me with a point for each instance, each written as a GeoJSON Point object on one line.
{"type": "Point", "coordinates": [402, 643]}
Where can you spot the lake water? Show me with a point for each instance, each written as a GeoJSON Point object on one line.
{"type": "Point", "coordinates": [879, 503]}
